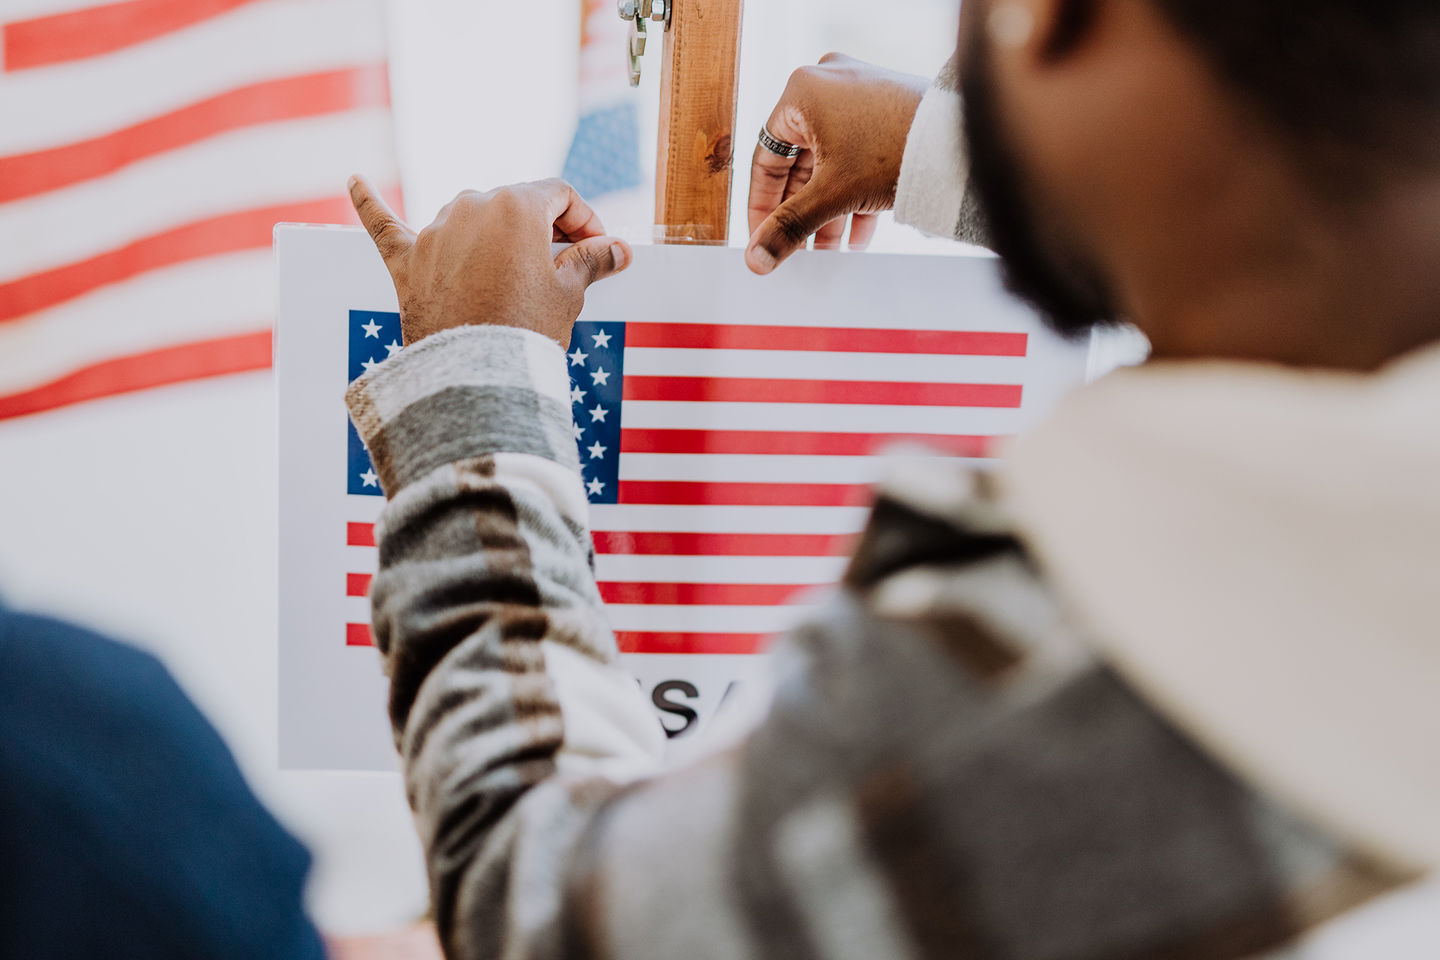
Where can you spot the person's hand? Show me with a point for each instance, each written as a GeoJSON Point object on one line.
{"type": "Point", "coordinates": [417, 943]}
{"type": "Point", "coordinates": [852, 119]}
{"type": "Point", "coordinates": [486, 258]}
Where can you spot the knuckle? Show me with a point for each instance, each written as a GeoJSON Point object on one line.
{"type": "Point", "coordinates": [590, 259]}
{"type": "Point", "coordinates": [791, 226]}
{"type": "Point", "coordinates": [470, 200]}
{"type": "Point", "coordinates": [507, 200]}
{"type": "Point", "coordinates": [802, 81]}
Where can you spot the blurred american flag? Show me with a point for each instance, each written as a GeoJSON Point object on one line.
{"type": "Point", "coordinates": [604, 157]}
{"type": "Point", "coordinates": [149, 148]}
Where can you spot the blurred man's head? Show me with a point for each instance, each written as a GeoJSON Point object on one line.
{"type": "Point", "coordinates": [1242, 178]}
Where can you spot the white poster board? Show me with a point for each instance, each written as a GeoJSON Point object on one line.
{"type": "Point", "coordinates": [728, 426]}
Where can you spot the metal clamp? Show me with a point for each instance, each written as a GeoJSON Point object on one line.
{"type": "Point", "coordinates": [637, 12]}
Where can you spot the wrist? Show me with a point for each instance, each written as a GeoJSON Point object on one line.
{"type": "Point", "coordinates": [462, 393]}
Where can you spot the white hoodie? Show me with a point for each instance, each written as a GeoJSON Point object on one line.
{"type": "Point", "coordinates": [1258, 549]}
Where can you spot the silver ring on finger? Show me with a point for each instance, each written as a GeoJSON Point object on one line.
{"type": "Point", "coordinates": [777, 146]}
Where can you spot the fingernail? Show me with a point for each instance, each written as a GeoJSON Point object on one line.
{"type": "Point", "coordinates": [763, 259]}
{"type": "Point", "coordinates": [620, 256]}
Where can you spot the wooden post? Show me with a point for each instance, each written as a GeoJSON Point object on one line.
{"type": "Point", "coordinates": [699, 76]}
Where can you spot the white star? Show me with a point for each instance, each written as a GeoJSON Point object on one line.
{"type": "Point", "coordinates": [578, 431]}
{"type": "Point", "coordinates": [595, 486]}
{"type": "Point", "coordinates": [600, 377]}
{"type": "Point", "coordinates": [391, 349]}
{"type": "Point", "coordinates": [578, 358]}
{"type": "Point", "coordinates": [576, 394]}
{"type": "Point", "coordinates": [370, 364]}
{"type": "Point", "coordinates": [596, 451]}
{"type": "Point", "coordinates": [598, 414]}
{"type": "Point", "coordinates": [372, 329]}
{"type": "Point", "coordinates": [602, 340]}
{"type": "Point", "coordinates": [370, 479]}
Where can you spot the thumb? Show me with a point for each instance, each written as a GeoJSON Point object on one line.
{"type": "Point", "coordinates": [592, 259]}
{"type": "Point", "coordinates": [790, 226]}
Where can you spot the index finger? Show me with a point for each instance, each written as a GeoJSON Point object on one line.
{"type": "Point", "coordinates": [392, 237]}
{"type": "Point", "coordinates": [571, 215]}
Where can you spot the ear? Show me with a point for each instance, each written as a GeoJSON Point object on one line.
{"type": "Point", "coordinates": [1063, 26]}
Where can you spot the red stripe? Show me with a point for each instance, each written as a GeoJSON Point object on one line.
{"type": "Point", "coordinates": [227, 233]}
{"type": "Point", "coordinates": [289, 98]}
{"type": "Point", "coordinates": [739, 390]}
{"type": "Point", "coordinates": [357, 584]}
{"type": "Point", "coordinates": [728, 643]}
{"type": "Point", "coordinates": [721, 544]}
{"type": "Point", "coordinates": [829, 339]}
{"type": "Point", "coordinates": [102, 29]}
{"type": "Point", "coordinates": [706, 594]}
{"type": "Point", "coordinates": [685, 544]}
{"type": "Point", "coordinates": [358, 635]}
{"type": "Point", "coordinates": [698, 493]}
{"type": "Point", "coordinates": [808, 444]}
{"type": "Point", "coordinates": [156, 368]}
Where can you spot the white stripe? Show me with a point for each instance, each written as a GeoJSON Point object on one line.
{"type": "Point", "coordinates": [617, 568]}
{"type": "Point", "coordinates": [760, 468]}
{"type": "Point", "coordinates": [818, 365]}
{"type": "Point", "coordinates": [357, 609]}
{"type": "Point", "coordinates": [362, 560]}
{"type": "Point", "coordinates": [85, 98]}
{"type": "Point", "coordinates": [819, 418]}
{"type": "Point", "coordinates": [195, 301]}
{"type": "Point", "coordinates": [30, 9]}
{"type": "Point", "coordinates": [622, 568]}
{"type": "Point", "coordinates": [726, 519]}
{"type": "Point", "coordinates": [285, 162]}
{"type": "Point", "coordinates": [360, 509]}
{"type": "Point", "coordinates": [700, 619]}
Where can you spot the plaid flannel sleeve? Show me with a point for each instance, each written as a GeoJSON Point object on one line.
{"type": "Point", "coordinates": [509, 707]}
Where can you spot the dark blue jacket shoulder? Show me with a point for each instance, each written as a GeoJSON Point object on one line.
{"type": "Point", "coordinates": [126, 828]}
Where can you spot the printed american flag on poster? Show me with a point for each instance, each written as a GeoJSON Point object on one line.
{"type": "Point", "coordinates": [148, 149]}
{"type": "Point", "coordinates": [690, 434]}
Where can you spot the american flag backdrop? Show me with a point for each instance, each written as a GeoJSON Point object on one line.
{"type": "Point", "coordinates": [604, 156]}
{"type": "Point", "coordinates": [727, 465]}
{"type": "Point", "coordinates": [148, 149]}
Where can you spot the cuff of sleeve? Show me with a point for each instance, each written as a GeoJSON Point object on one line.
{"type": "Point", "coordinates": [936, 169]}
{"type": "Point", "coordinates": [461, 394]}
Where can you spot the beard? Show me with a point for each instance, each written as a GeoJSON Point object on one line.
{"type": "Point", "coordinates": [1068, 292]}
